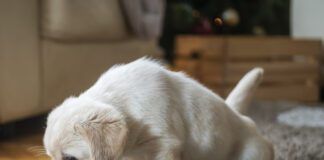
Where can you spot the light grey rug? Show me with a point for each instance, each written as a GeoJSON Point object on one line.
{"type": "Point", "coordinates": [303, 116]}
{"type": "Point", "coordinates": [291, 128]}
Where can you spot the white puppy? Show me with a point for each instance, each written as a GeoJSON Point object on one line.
{"type": "Point", "coordinates": [142, 111]}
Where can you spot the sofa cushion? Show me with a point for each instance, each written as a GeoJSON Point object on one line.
{"type": "Point", "coordinates": [81, 64]}
{"type": "Point", "coordinates": [83, 20]}
{"type": "Point", "coordinates": [145, 17]}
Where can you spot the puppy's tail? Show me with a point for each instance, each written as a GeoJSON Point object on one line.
{"type": "Point", "coordinates": [242, 94]}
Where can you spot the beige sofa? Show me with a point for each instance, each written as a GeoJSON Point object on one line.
{"type": "Point", "coordinates": [38, 69]}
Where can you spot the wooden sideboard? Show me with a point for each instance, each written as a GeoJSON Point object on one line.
{"type": "Point", "coordinates": [291, 66]}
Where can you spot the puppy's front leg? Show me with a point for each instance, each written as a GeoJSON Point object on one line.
{"type": "Point", "coordinates": [155, 150]}
{"type": "Point", "coordinates": [169, 155]}
{"type": "Point", "coordinates": [170, 150]}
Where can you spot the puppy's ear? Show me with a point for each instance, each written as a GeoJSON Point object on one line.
{"type": "Point", "coordinates": [105, 131]}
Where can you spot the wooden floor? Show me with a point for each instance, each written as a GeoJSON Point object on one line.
{"type": "Point", "coordinates": [26, 147]}
{"type": "Point", "coordinates": [23, 140]}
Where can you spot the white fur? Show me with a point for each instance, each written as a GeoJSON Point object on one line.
{"type": "Point", "coordinates": [142, 111]}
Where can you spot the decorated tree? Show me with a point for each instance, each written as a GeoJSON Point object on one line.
{"type": "Point", "coordinates": [238, 16]}
{"type": "Point", "coordinates": [225, 17]}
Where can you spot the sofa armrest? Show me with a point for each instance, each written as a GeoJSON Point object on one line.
{"type": "Point", "coordinates": [19, 59]}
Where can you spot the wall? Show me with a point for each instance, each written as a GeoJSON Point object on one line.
{"type": "Point", "coordinates": [307, 18]}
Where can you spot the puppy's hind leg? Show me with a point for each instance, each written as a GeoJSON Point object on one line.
{"type": "Point", "coordinates": [257, 150]}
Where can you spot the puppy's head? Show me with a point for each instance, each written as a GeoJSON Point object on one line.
{"type": "Point", "coordinates": [82, 129]}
